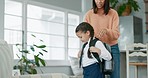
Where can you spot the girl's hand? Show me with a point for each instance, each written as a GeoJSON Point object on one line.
{"type": "Point", "coordinates": [79, 53]}
{"type": "Point", "coordinates": [94, 49]}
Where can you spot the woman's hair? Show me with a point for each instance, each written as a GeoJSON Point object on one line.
{"type": "Point", "coordinates": [84, 27]}
{"type": "Point", "coordinates": [106, 7]}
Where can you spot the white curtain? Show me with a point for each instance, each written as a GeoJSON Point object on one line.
{"type": "Point", "coordinates": [6, 60]}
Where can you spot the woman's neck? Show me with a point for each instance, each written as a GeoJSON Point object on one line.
{"type": "Point", "coordinates": [100, 11]}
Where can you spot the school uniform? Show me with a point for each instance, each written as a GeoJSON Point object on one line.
{"type": "Point", "coordinates": [91, 68]}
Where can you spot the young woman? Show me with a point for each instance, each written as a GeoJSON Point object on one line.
{"type": "Point", "coordinates": [91, 68]}
{"type": "Point", "coordinates": [105, 22]}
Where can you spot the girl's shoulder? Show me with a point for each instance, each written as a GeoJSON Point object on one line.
{"type": "Point", "coordinates": [99, 42]}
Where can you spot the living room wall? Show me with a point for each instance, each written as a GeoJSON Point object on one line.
{"type": "Point", "coordinates": [2, 19]}
{"type": "Point", "coordinates": [75, 5]}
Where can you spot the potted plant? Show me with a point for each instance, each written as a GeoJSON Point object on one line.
{"type": "Point", "coordinates": [26, 65]}
{"type": "Point", "coordinates": [113, 3]}
{"type": "Point", "coordinates": [125, 7]}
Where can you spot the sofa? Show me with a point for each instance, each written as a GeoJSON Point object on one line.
{"type": "Point", "coordinates": [47, 75]}
{"type": "Point", "coordinates": [6, 59]}
{"type": "Point", "coordinates": [6, 66]}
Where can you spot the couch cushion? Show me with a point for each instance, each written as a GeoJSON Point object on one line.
{"type": "Point", "coordinates": [6, 59]}
{"type": "Point", "coordinates": [74, 62]}
{"type": "Point", "coordinates": [48, 75]}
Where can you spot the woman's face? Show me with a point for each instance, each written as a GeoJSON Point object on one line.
{"type": "Point", "coordinates": [100, 3]}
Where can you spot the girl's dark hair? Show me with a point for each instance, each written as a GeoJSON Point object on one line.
{"type": "Point", "coordinates": [84, 27]}
{"type": "Point", "coordinates": [106, 7]}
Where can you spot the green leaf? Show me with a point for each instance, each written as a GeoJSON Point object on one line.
{"type": "Point", "coordinates": [36, 60]}
{"type": "Point", "coordinates": [33, 35]}
{"type": "Point", "coordinates": [41, 53]}
{"type": "Point", "coordinates": [24, 59]}
{"type": "Point", "coordinates": [113, 3]}
{"type": "Point", "coordinates": [24, 51]}
{"type": "Point", "coordinates": [20, 60]}
{"type": "Point", "coordinates": [41, 46]}
{"type": "Point", "coordinates": [32, 48]}
{"type": "Point", "coordinates": [17, 44]}
{"type": "Point", "coordinates": [42, 62]}
{"type": "Point", "coordinates": [34, 71]}
{"type": "Point", "coordinates": [44, 50]}
{"type": "Point", "coordinates": [121, 9]}
{"type": "Point", "coordinates": [29, 72]}
{"type": "Point", "coordinates": [41, 40]}
{"type": "Point", "coordinates": [18, 56]}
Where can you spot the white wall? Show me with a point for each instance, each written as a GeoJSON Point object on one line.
{"type": "Point", "coordinates": [2, 19]}
{"type": "Point", "coordinates": [68, 4]}
{"type": "Point", "coordinates": [86, 5]}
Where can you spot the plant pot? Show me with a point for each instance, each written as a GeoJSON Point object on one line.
{"type": "Point", "coordinates": [127, 11]}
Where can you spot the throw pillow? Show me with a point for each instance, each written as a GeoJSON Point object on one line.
{"type": "Point", "coordinates": [74, 62]}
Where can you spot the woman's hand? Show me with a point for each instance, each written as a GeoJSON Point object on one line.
{"type": "Point", "coordinates": [102, 32]}
{"type": "Point", "coordinates": [94, 49]}
{"type": "Point", "coordinates": [79, 53]}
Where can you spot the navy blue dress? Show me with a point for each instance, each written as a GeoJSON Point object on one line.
{"type": "Point", "coordinates": [92, 71]}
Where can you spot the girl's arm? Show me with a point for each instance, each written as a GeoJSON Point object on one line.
{"type": "Point", "coordinates": [101, 50]}
{"type": "Point", "coordinates": [79, 53]}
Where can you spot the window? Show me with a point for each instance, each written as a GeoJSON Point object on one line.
{"type": "Point", "coordinates": [73, 41]}
{"type": "Point", "coordinates": [47, 24]}
{"type": "Point", "coordinates": [13, 24]}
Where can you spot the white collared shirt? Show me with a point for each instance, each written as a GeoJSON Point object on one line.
{"type": "Point", "coordinates": [104, 54]}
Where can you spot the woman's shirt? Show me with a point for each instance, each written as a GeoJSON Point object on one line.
{"type": "Point", "coordinates": [104, 54]}
{"type": "Point", "coordinates": [109, 22]}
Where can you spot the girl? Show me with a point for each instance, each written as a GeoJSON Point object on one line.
{"type": "Point", "coordinates": [85, 33]}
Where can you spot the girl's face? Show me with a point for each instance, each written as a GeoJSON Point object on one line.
{"type": "Point", "coordinates": [84, 37]}
{"type": "Point", "coordinates": [100, 3]}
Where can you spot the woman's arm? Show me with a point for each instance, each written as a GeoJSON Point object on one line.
{"type": "Point", "coordinates": [114, 33]}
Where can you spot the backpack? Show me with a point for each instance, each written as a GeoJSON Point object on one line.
{"type": "Point", "coordinates": [106, 67]}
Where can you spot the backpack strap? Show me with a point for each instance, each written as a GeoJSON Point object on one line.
{"type": "Point", "coordinates": [80, 61]}
{"type": "Point", "coordinates": [101, 63]}
{"type": "Point", "coordinates": [92, 43]}
{"type": "Point", "coordinates": [107, 47]}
